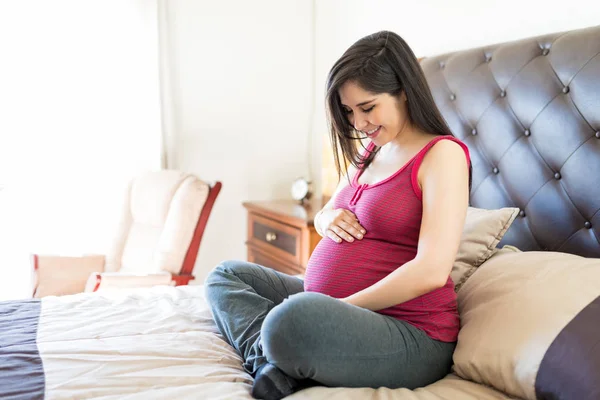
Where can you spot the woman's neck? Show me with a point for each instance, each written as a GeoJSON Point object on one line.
{"type": "Point", "coordinates": [408, 137]}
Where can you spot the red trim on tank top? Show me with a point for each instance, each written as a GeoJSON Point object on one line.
{"type": "Point", "coordinates": [370, 185]}
{"type": "Point", "coordinates": [417, 159]}
{"type": "Point", "coordinates": [425, 148]}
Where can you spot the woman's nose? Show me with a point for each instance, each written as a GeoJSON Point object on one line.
{"type": "Point", "coordinates": [359, 123]}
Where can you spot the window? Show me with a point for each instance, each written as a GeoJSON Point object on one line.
{"type": "Point", "coordinates": [80, 107]}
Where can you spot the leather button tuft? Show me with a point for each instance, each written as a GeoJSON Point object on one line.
{"type": "Point", "coordinates": [527, 132]}
{"type": "Point", "coordinates": [442, 64]}
{"type": "Point", "coordinates": [565, 90]}
{"type": "Point", "coordinates": [522, 213]}
{"type": "Point", "coordinates": [557, 175]}
{"type": "Point", "coordinates": [488, 58]}
{"type": "Point", "coordinates": [474, 132]}
{"type": "Point", "coordinates": [588, 225]}
{"type": "Point", "coordinates": [495, 170]}
{"type": "Point", "coordinates": [597, 134]}
{"type": "Point", "coordinates": [503, 94]}
{"type": "Point", "coordinates": [545, 52]}
{"type": "Point", "coordinates": [452, 97]}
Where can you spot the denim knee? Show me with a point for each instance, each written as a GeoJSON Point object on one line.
{"type": "Point", "coordinates": [288, 328]}
{"type": "Point", "coordinates": [227, 268]}
{"type": "Point", "coordinates": [222, 273]}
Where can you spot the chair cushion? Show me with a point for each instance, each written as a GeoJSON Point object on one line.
{"type": "Point", "coordinates": [483, 230]}
{"type": "Point", "coordinates": [529, 325]}
{"type": "Point", "coordinates": [159, 216]}
{"type": "Point", "coordinates": [58, 275]}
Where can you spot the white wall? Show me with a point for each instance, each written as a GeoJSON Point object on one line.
{"type": "Point", "coordinates": [432, 27]}
{"type": "Point", "coordinates": [238, 104]}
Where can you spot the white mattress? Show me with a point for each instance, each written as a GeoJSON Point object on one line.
{"type": "Point", "coordinates": [162, 343]}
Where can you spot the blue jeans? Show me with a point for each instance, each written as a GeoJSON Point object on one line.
{"type": "Point", "coordinates": [267, 317]}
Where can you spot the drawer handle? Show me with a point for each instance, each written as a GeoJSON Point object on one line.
{"type": "Point", "coordinates": [271, 236]}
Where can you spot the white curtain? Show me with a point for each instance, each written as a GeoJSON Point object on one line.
{"type": "Point", "coordinates": [80, 116]}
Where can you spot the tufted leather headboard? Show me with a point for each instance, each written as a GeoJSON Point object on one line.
{"type": "Point", "coordinates": [529, 111]}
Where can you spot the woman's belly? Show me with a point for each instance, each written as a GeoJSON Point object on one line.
{"type": "Point", "coordinates": [342, 269]}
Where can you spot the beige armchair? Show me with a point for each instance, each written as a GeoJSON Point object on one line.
{"type": "Point", "coordinates": [162, 223]}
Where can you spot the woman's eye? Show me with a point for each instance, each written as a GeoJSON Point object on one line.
{"type": "Point", "coordinates": [347, 111]}
{"type": "Point", "coordinates": [369, 109]}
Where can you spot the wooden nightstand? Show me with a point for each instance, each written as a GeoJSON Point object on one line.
{"type": "Point", "coordinates": [281, 234]}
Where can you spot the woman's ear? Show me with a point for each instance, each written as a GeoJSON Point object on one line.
{"type": "Point", "coordinates": [403, 96]}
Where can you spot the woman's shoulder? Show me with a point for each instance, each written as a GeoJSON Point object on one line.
{"type": "Point", "coordinates": [447, 139]}
{"type": "Point", "coordinates": [444, 148]}
{"type": "Point", "coordinates": [444, 153]}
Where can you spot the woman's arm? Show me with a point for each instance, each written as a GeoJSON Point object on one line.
{"type": "Point", "coordinates": [329, 205]}
{"type": "Point", "coordinates": [340, 224]}
{"type": "Point", "coordinates": [445, 187]}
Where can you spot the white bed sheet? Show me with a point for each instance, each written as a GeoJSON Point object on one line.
{"type": "Point", "coordinates": [162, 343]}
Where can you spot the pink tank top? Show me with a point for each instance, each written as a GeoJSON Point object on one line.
{"type": "Point", "coordinates": [391, 212]}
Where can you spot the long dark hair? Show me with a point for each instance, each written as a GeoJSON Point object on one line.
{"type": "Point", "coordinates": [379, 63]}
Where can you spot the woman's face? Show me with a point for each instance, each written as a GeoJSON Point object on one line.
{"type": "Point", "coordinates": [381, 117]}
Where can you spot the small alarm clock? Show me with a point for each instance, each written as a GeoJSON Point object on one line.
{"type": "Point", "coordinates": [301, 190]}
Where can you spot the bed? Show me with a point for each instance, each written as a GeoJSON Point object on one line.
{"type": "Point", "coordinates": [530, 113]}
{"type": "Point", "coordinates": [158, 343]}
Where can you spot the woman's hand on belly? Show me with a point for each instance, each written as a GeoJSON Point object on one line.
{"type": "Point", "coordinates": [341, 224]}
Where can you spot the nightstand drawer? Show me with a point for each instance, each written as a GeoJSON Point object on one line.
{"type": "Point", "coordinates": [280, 239]}
{"type": "Point", "coordinates": [281, 233]}
{"type": "Point", "coordinates": [267, 260]}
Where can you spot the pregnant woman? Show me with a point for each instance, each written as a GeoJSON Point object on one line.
{"type": "Point", "coordinates": [377, 306]}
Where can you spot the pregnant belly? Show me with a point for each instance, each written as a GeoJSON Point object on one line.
{"type": "Point", "coordinates": [342, 269]}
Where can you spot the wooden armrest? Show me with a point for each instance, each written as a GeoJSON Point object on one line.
{"type": "Point", "coordinates": [182, 279]}
{"type": "Point", "coordinates": [60, 275]}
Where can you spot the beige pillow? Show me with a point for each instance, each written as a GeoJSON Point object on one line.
{"type": "Point", "coordinates": [530, 325]}
{"type": "Point", "coordinates": [482, 232]}
{"type": "Point", "coordinates": [59, 276]}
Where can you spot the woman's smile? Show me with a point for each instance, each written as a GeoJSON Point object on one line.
{"type": "Point", "coordinates": [372, 134]}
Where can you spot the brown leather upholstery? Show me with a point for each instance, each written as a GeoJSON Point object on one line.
{"type": "Point", "coordinates": [529, 111]}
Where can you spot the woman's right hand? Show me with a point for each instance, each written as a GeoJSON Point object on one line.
{"type": "Point", "coordinates": [340, 225]}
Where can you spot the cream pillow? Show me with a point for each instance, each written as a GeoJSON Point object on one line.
{"type": "Point", "coordinates": [482, 231]}
{"type": "Point", "coordinates": [530, 325]}
{"type": "Point", "coordinates": [59, 276]}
